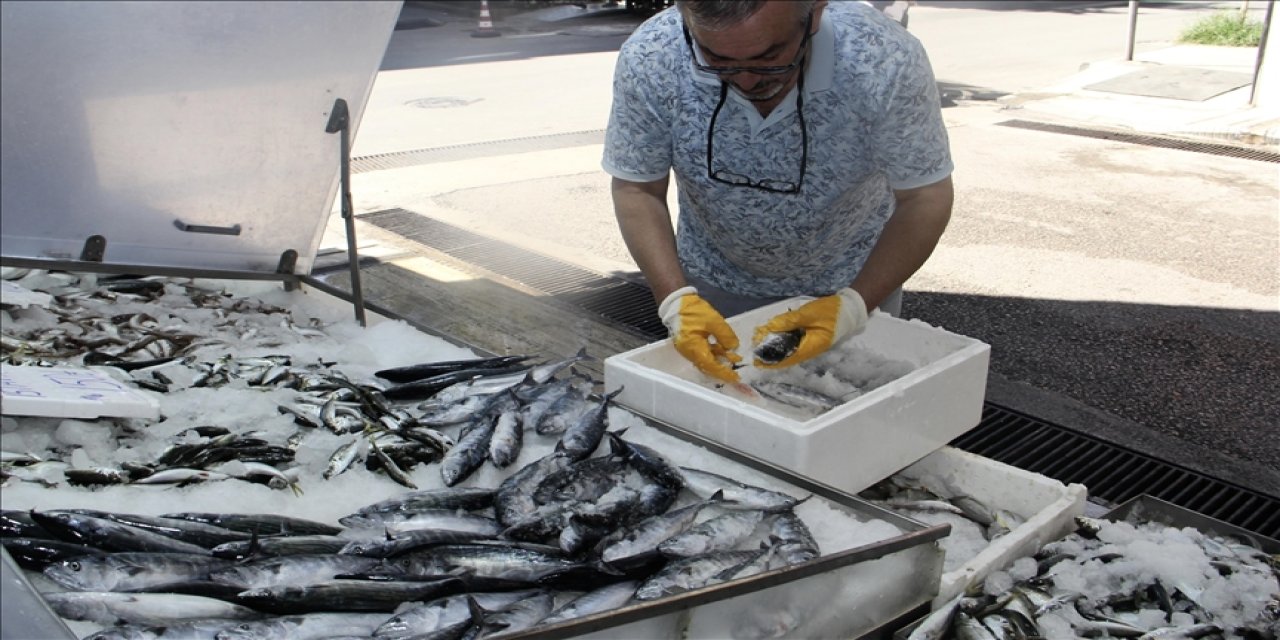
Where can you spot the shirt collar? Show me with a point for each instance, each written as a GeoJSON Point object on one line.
{"type": "Point", "coordinates": [820, 70]}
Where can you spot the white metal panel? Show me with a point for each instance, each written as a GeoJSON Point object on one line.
{"type": "Point", "coordinates": [122, 118]}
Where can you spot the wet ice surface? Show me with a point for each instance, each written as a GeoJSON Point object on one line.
{"type": "Point", "coordinates": [316, 329]}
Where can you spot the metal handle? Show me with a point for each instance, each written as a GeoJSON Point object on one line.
{"type": "Point", "coordinates": [233, 230]}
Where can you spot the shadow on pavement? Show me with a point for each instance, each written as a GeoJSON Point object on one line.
{"type": "Point", "coordinates": [1200, 375]}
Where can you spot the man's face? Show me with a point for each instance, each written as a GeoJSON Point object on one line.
{"type": "Point", "coordinates": [774, 36]}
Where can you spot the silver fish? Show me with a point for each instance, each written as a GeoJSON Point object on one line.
{"type": "Point", "coordinates": [737, 495]}
{"type": "Point", "coordinates": [796, 396]}
{"type": "Point", "coordinates": [105, 607]}
{"type": "Point", "coordinates": [280, 546]}
{"type": "Point", "coordinates": [605, 598]}
{"type": "Point", "coordinates": [521, 614]}
{"type": "Point", "coordinates": [687, 574]}
{"type": "Point", "coordinates": [720, 533]}
{"type": "Point", "coordinates": [580, 440]}
{"type": "Point", "coordinates": [312, 626]}
{"type": "Point", "coordinates": [641, 539]}
{"type": "Point", "coordinates": [347, 595]}
{"type": "Point", "coordinates": [132, 571]}
{"type": "Point", "coordinates": [444, 612]}
{"type": "Point", "coordinates": [292, 570]}
{"type": "Point", "coordinates": [468, 498]}
{"type": "Point", "coordinates": [400, 522]}
{"type": "Point", "coordinates": [470, 452]}
{"type": "Point", "coordinates": [110, 535]}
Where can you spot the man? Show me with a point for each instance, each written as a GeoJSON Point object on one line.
{"type": "Point", "coordinates": [808, 147]}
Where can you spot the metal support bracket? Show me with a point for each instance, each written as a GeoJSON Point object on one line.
{"type": "Point", "coordinates": [95, 248]}
{"type": "Point", "coordinates": [340, 122]}
{"type": "Point", "coordinates": [287, 265]}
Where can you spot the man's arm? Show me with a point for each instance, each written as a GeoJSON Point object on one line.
{"type": "Point", "coordinates": [907, 240]}
{"type": "Point", "coordinates": [645, 222]}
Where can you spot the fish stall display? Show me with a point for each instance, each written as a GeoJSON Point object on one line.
{"type": "Point", "coordinates": [1121, 579]}
{"type": "Point", "coordinates": [309, 477]}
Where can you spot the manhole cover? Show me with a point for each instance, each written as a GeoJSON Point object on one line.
{"type": "Point", "coordinates": [442, 102]}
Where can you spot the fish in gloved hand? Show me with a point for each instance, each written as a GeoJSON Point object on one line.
{"type": "Point", "coordinates": [795, 336]}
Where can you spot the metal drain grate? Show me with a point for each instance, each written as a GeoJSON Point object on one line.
{"type": "Point", "coordinates": [1112, 472]}
{"type": "Point", "coordinates": [623, 302]}
{"type": "Point", "coordinates": [399, 159]}
{"type": "Point", "coordinates": [1150, 141]}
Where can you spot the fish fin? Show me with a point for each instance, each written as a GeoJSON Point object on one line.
{"type": "Point", "coordinates": [582, 354]}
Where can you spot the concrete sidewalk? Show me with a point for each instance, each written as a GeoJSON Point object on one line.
{"type": "Point", "coordinates": [1108, 94]}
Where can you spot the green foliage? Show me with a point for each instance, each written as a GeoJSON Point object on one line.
{"type": "Point", "coordinates": [1229, 28]}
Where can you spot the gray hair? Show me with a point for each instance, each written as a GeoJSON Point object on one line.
{"type": "Point", "coordinates": [714, 15]}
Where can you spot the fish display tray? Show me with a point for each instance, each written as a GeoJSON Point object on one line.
{"type": "Point", "coordinates": [849, 447]}
{"type": "Point", "coordinates": [1048, 507]}
{"type": "Point", "coordinates": [1140, 509]}
{"type": "Point", "coordinates": [1146, 508]}
{"type": "Point", "coordinates": [854, 588]}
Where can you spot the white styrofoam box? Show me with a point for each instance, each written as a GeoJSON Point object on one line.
{"type": "Point", "coordinates": [1048, 507]}
{"type": "Point", "coordinates": [71, 392]}
{"type": "Point", "coordinates": [850, 447]}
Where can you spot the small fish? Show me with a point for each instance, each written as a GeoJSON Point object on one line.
{"type": "Point", "coordinates": [292, 570]}
{"type": "Point", "coordinates": [736, 495]}
{"type": "Point", "coordinates": [132, 571]}
{"type": "Point", "coordinates": [312, 626]}
{"type": "Point", "coordinates": [720, 533]}
{"type": "Point", "coordinates": [347, 595]}
{"type": "Point", "coordinates": [796, 396]}
{"type": "Point", "coordinates": [687, 574]}
{"type": "Point", "coordinates": [605, 598]}
{"type": "Point", "coordinates": [263, 524]}
{"type": "Point", "coordinates": [108, 608]}
{"type": "Point", "coordinates": [467, 498]}
{"type": "Point", "coordinates": [580, 440]}
{"type": "Point", "coordinates": [778, 346]}
{"type": "Point", "coordinates": [444, 612]}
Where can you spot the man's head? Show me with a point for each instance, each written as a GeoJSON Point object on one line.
{"type": "Point", "coordinates": [741, 34]}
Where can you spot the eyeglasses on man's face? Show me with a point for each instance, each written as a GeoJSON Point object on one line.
{"type": "Point", "coordinates": [724, 72]}
{"type": "Point", "coordinates": [724, 176]}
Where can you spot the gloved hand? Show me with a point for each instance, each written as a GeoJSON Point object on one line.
{"type": "Point", "coordinates": [825, 321]}
{"type": "Point", "coordinates": [692, 323]}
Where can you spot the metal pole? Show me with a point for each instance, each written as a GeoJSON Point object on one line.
{"type": "Point", "coordinates": [1133, 29]}
{"type": "Point", "coordinates": [1262, 49]}
{"type": "Point", "coordinates": [340, 122]}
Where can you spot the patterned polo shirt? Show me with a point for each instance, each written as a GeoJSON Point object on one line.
{"type": "Point", "coordinates": [874, 122]}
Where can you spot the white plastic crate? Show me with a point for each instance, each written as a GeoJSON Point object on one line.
{"type": "Point", "coordinates": [849, 447]}
{"type": "Point", "coordinates": [1048, 507]}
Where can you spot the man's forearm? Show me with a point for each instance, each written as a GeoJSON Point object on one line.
{"type": "Point", "coordinates": [907, 241]}
{"type": "Point", "coordinates": [645, 222]}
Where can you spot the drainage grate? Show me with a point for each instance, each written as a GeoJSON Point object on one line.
{"type": "Point", "coordinates": [1150, 141]}
{"type": "Point", "coordinates": [399, 159]}
{"type": "Point", "coordinates": [1114, 473]}
{"type": "Point", "coordinates": [618, 300]}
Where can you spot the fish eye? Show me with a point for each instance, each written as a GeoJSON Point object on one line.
{"type": "Point", "coordinates": [74, 566]}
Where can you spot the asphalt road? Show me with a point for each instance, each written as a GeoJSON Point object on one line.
{"type": "Point", "coordinates": [1130, 291]}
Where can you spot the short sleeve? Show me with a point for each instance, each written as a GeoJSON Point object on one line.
{"type": "Point", "coordinates": [637, 143]}
{"type": "Point", "coordinates": [911, 140]}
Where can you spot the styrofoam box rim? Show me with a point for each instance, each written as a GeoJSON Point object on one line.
{"type": "Point", "coordinates": [1058, 505]}
{"type": "Point", "coordinates": [625, 363]}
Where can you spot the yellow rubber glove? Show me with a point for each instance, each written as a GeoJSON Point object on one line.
{"type": "Point", "coordinates": [825, 321]}
{"type": "Point", "coordinates": [693, 323]}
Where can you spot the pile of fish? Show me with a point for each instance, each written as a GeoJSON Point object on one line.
{"type": "Point", "coordinates": [931, 500]}
{"type": "Point", "coordinates": [588, 526]}
{"type": "Point", "coordinates": [1122, 580]}
{"type": "Point", "coordinates": [566, 536]}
